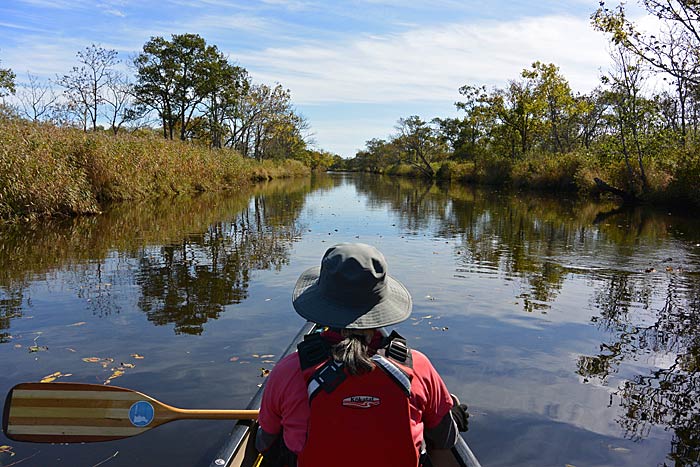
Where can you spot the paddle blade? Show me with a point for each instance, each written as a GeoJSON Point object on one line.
{"type": "Point", "coordinates": [73, 413]}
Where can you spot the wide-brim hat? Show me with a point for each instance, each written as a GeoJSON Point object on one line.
{"type": "Point", "coordinates": [351, 289]}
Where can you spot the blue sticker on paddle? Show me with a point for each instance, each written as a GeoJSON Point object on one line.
{"type": "Point", "coordinates": [141, 413]}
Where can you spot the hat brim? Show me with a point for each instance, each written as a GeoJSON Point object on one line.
{"type": "Point", "coordinates": [310, 303]}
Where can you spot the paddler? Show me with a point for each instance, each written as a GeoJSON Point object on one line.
{"type": "Point", "coordinates": [349, 396]}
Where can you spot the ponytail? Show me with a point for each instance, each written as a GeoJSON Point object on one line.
{"type": "Point", "coordinates": [353, 351]}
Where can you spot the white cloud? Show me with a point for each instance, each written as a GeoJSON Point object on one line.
{"type": "Point", "coordinates": [430, 63]}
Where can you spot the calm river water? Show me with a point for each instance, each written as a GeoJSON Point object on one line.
{"type": "Point", "coordinates": [572, 332]}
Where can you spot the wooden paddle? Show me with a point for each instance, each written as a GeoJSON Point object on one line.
{"type": "Point", "coordinates": [79, 413]}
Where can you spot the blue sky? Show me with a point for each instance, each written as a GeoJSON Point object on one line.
{"type": "Point", "coordinates": [353, 67]}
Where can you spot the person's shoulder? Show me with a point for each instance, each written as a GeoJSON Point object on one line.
{"type": "Point", "coordinates": [290, 361]}
{"type": "Point", "coordinates": [287, 366]}
{"type": "Point", "coordinates": [421, 363]}
{"type": "Point", "coordinates": [419, 356]}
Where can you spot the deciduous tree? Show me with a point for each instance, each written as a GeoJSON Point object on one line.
{"type": "Point", "coordinates": [84, 84]}
{"type": "Point", "coordinates": [172, 79]}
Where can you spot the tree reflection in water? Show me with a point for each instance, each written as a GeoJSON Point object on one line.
{"type": "Point", "coordinates": [184, 278]}
{"type": "Point", "coordinates": [667, 396]}
{"type": "Point", "coordinates": [191, 282]}
{"type": "Point", "coordinates": [542, 241]}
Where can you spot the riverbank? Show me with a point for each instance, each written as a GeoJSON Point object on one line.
{"type": "Point", "coordinates": [672, 181]}
{"type": "Point", "coordinates": [49, 171]}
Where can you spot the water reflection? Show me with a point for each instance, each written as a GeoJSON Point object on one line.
{"type": "Point", "coordinates": [189, 259]}
{"type": "Point", "coordinates": [643, 267]}
{"type": "Point", "coordinates": [571, 325]}
{"type": "Point", "coordinates": [667, 395]}
{"type": "Point", "coordinates": [190, 282]}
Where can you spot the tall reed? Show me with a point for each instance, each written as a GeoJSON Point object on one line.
{"type": "Point", "coordinates": [46, 170]}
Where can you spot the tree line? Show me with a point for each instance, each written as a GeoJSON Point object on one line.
{"type": "Point", "coordinates": [182, 87]}
{"type": "Point", "coordinates": [620, 137]}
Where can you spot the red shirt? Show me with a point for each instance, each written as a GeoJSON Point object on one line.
{"type": "Point", "coordinates": [285, 402]}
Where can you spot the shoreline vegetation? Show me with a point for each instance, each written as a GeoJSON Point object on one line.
{"type": "Point", "coordinates": [636, 136]}
{"type": "Point", "coordinates": [52, 171]}
{"type": "Point", "coordinates": [190, 120]}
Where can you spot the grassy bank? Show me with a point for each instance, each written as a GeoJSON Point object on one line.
{"type": "Point", "coordinates": [672, 179]}
{"type": "Point", "coordinates": [45, 170]}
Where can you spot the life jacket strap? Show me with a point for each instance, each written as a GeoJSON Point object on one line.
{"type": "Point", "coordinates": [328, 377]}
{"type": "Point", "coordinates": [313, 350]}
{"type": "Point", "coordinates": [396, 348]}
{"type": "Point", "coordinates": [394, 372]}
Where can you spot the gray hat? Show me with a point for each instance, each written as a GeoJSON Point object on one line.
{"type": "Point", "coordinates": [352, 290]}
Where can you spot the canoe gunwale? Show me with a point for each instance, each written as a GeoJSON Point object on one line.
{"type": "Point", "coordinates": [242, 429]}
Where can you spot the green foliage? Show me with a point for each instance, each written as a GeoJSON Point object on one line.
{"type": "Point", "coordinates": [536, 133]}
{"type": "Point", "coordinates": [548, 171]}
{"type": "Point", "coordinates": [172, 78]}
{"type": "Point", "coordinates": [685, 176]}
{"type": "Point", "coordinates": [7, 82]}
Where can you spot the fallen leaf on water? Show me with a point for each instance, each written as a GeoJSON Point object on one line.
{"type": "Point", "coordinates": [128, 365]}
{"type": "Point", "coordinates": [115, 374]}
{"type": "Point", "coordinates": [91, 359]}
{"type": "Point", "coordinates": [137, 356]}
{"type": "Point", "coordinates": [267, 356]}
{"type": "Point", "coordinates": [51, 377]}
{"type": "Point", "coordinates": [7, 450]}
{"type": "Point", "coordinates": [268, 361]}
{"type": "Point", "coordinates": [80, 323]}
{"type": "Point", "coordinates": [255, 355]}
{"type": "Point", "coordinates": [569, 465]}
{"type": "Point", "coordinates": [54, 376]}
{"type": "Point", "coordinates": [38, 348]}
{"type": "Point", "coordinates": [234, 359]}
{"type": "Point", "coordinates": [617, 448]}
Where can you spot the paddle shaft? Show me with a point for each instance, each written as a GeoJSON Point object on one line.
{"type": "Point", "coordinates": [214, 414]}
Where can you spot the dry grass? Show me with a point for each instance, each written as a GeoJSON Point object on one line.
{"type": "Point", "coordinates": [45, 170]}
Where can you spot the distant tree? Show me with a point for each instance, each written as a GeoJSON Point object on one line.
{"type": "Point", "coordinates": [591, 123]}
{"type": "Point", "coordinates": [673, 49]}
{"type": "Point", "coordinates": [419, 144]}
{"type": "Point", "coordinates": [37, 99]}
{"type": "Point", "coordinates": [560, 109]}
{"type": "Point", "coordinates": [267, 126]}
{"type": "Point", "coordinates": [118, 101]}
{"type": "Point", "coordinates": [633, 118]}
{"type": "Point", "coordinates": [520, 114]}
{"type": "Point", "coordinates": [469, 136]}
{"type": "Point", "coordinates": [226, 87]}
{"type": "Point", "coordinates": [172, 79]}
{"type": "Point", "coordinates": [84, 85]}
{"type": "Point", "coordinates": [377, 155]}
{"type": "Point", "coordinates": [7, 82]}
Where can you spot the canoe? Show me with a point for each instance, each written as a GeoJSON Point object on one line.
{"type": "Point", "coordinates": [239, 448]}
